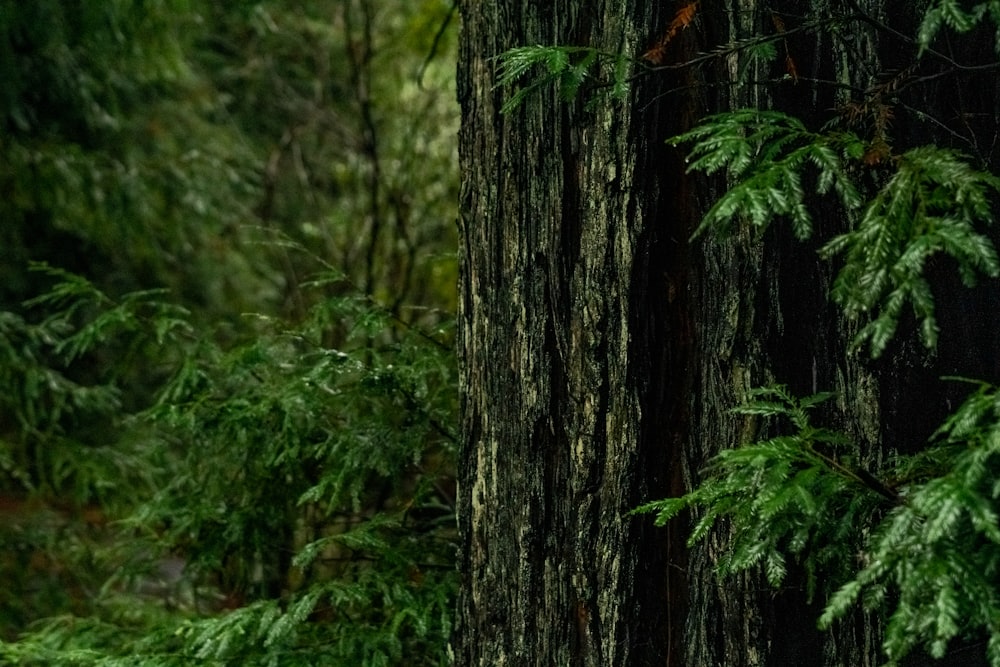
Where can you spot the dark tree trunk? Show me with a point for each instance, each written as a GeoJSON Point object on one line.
{"type": "Point", "coordinates": [566, 372]}
{"type": "Point", "coordinates": [601, 351]}
{"type": "Point", "coordinates": [761, 314]}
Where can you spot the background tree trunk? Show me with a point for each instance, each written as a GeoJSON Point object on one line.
{"type": "Point", "coordinates": [601, 351]}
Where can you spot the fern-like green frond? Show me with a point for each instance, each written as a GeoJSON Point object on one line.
{"type": "Point", "coordinates": [936, 555]}
{"type": "Point", "coordinates": [780, 496]}
{"type": "Point", "coordinates": [931, 561]}
{"type": "Point", "coordinates": [565, 67]}
{"type": "Point", "coordinates": [954, 15]}
{"type": "Point", "coordinates": [931, 205]}
{"type": "Point", "coordinates": [764, 154]}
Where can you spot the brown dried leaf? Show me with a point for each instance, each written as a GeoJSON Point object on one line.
{"type": "Point", "coordinates": [682, 19]}
{"type": "Point", "coordinates": [790, 68]}
{"type": "Point", "coordinates": [878, 151]}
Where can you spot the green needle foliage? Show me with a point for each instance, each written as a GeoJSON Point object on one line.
{"type": "Point", "coordinates": [935, 556]}
{"type": "Point", "coordinates": [952, 14]}
{"type": "Point", "coordinates": [764, 153]}
{"type": "Point", "coordinates": [929, 542]}
{"type": "Point", "coordinates": [182, 482]}
{"type": "Point", "coordinates": [931, 205]}
{"type": "Point", "coordinates": [917, 541]}
{"type": "Point", "coordinates": [62, 419]}
{"type": "Point", "coordinates": [931, 562]}
{"type": "Point", "coordinates": [303, 489]}
{"type": "Point", "coordinates": [796, 495]}
{"type": "Point", "coordinates": [566, 68]}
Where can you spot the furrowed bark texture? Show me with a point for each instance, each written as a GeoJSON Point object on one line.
{"type": "Point", "coordinates": [565, 364]}
{"type": "Point", "coordinates": [601, 352]}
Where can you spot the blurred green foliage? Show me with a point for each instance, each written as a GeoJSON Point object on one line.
{"type": "Point", "coordinates": [227, 269]}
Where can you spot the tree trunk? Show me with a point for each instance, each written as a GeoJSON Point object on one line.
{"type": "Point", "coordinates": [601, 352]}
{"type": "Point", "coordinates": [761, 314]}
{"type": "Point", "coordinates": [566, 377]}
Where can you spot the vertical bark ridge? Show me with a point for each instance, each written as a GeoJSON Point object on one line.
{"type": "Point", "coordinates": [553, 218]}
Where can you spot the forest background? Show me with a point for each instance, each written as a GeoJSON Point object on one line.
{"type": "Point", "coordinates": [227, 279]}
{"type": "Point", "coordinates": [228, 424]}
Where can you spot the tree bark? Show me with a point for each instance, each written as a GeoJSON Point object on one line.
{"type": "Point", "coordinates": [601, 352]}
{"type": "Point", "coordinates": [566, 376]}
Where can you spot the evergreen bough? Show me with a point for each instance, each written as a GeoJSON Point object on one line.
{"type": "Point", "coordinates": [278, 463]}
{"type": "Point", "coordinates": [933, 203]}
{"type": "Point", "coordinates": [930, 561]}
{"type": "Point", "coordinates": [919, 541]}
